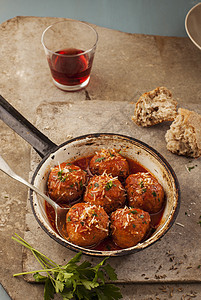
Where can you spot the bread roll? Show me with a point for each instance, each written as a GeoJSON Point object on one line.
{"type": "Point", "coordinates": [184, 135]}
{"type": "Point", "coordinates": [155, 107]}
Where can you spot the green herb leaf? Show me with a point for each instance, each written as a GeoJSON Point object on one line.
{"type": "Point", "coordinates": [133, 212]}
{"type": "Point", "coordinates": [141, 184]}
{"type": "Point", "coordinates": [110, 272]}
{"type": "Point", "coordinates": [109, 185]}
{"type": "Point", "coordinates": [99, 159]}
{"type": "Point", "coordinates": [67, 295]}
{"type": "Point", "coordinates": [112, 155]}
{"type": "Point", "coordinates": [59, 286]}
{"type": "Point", "coordinates": [81, 184]}
{"type": "Point", "coordinates": [39, 278]}
{"type": "Point", "coordinates": [48, 290]}
{"type": "Point", "coordinates": [60, 176]}
{"type": "Point", "coordinates": [89, 284]}
{"type": "Point", "coordinates": [154, 193]}
{"type": "Point", "coordinates": [73, 280]}
{"type": "Point", "coordinates": [108, 292]}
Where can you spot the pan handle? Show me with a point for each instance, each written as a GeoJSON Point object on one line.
{"type": "Point", "coordinates": [39, 141]}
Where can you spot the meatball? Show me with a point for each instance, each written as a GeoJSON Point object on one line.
{"type": "Point", "coordinates": [129, 226]}
{"type": "Point", "coordinates": [87, 225]}
{"type": "Point", "coordinates": [106, 191]}
{"type": "Point", "coordinates": [145, 192]}
{"type": "Point", "coordinates": [65, 183]}
{"type": "Point", "coordinates": [111, 162]}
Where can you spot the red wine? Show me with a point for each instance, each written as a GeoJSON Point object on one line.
{"type": "Point", "coordinates": [68, 69]}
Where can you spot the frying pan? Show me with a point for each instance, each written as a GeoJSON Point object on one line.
{"type": "Point", "coordinates": [86, 145]}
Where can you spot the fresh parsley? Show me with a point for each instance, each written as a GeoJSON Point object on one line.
{"type": "Point", "coordinates": [60, 176]}
{"type": "Point", "coordinates": [109, 185]}
{"type": "Point", "coordinates": [73, 280]}
{"type": "Point", "coordinates": [99, 159]}
{"type": "Point", "coordinates": [112, 155]}
{"type": "Point", "coordinates": [154, 193]}
{"type": "Point", "coordinates": [141, 184]}
{"type": "Point", "coordinates": [133, 212]}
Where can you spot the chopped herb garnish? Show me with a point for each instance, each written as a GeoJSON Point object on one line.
{"type": "Point", "coordinates": [112, 155]}
{"type": "Point", "coordinates": [133, 212]}
{"type": "Point", "coordinates": [82, 223]}
{"type": "Point", "coordinates": [95, 214]}
{"type": "Point", "coordinates": [72, 185]}
{"type": "Point", "coordinates": [134, 225]}
{"type": "Point", "coordinates": [60, 176]}
{"type": "Point", "coordinates": [109, 185]}
{"type": "Point", "coordinates": [154, 193]}
{"type": "Point", "coordinates": [189, 168]}
{"type": "Point", "coordinates": [81, 184]}
{"type": "Point", "coordinates": [144, 190]}
{"type": "Point", "coordinates": [92, 194]}
{"type": "Point", "coordinates": [141, 184]}
{"type": "Point", "coordinates": [141, 216]}
{"type": "Point", "coordinates": [69, 219]}
{"type": "Point", "coordinates": [99, 159]}
{"type": "Point", "coordinates": [96, 184]}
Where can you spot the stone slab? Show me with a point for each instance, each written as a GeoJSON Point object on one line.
{"type": "Point", "coordinates": [170, 259]}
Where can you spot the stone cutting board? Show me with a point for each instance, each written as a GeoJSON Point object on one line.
{"type": "Point", "coordinates": [177, 256]}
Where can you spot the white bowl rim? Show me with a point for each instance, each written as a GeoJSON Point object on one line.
{"type": "Point", "coordinates": [186, 25]}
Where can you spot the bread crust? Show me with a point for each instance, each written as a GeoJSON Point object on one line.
{"type": "Point", "coordinates": [193, 119]}
{"type": "Point", "coordinates": [155, 107]}
{"type": "Point", "coordinates": [184, 135]}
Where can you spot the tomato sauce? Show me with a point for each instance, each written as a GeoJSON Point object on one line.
{"type": "Point", "coordinates": [108, 244]}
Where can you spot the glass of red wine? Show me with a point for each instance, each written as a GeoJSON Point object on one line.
{"type": "Point", "coordinates": [70, 47]}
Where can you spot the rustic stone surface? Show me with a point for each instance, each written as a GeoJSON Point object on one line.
{"type": "Point", "coordinates": [168, 260]}
{"type": "Point", "coordinates": [125, 66]}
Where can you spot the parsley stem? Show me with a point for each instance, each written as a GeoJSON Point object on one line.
{"type": "Point", "coordinates": [24, 243]}
{"type": "Point", "coordinates": [32, 272]}
{"type": "Point", "coordinates": [43, 260]}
